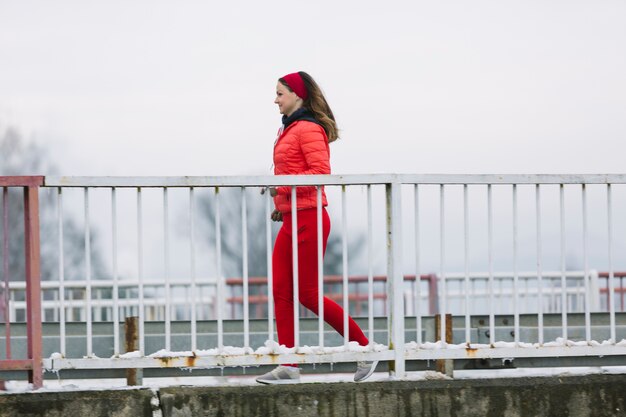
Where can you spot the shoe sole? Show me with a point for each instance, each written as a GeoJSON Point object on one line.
{"type": "Point", "coordinates": [372, 369]}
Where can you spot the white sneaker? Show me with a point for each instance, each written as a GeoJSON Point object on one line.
{"type": "Point", "coordinates": [281, 375]}
{"type": "Point", "coordinates": [364, 370]}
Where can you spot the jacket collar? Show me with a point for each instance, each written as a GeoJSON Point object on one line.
{"type": "Point", "coordinates": [300, 114]}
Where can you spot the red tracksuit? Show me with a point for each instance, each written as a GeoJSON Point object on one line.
{"type": "Point", "coordinates": [302, 148]}
{"type": "Point", "coordinates": [282, 261]}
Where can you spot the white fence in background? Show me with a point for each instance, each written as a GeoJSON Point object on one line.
{"type": "Point", "coordinates": [195, 299]}
{"type": "Point", "coordinates": [103, 303]}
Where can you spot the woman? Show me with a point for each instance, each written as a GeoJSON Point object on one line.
{"type": "Point", "coordinates": [302, 149]}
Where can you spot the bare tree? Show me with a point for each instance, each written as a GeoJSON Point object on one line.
{"type": "Point", "coordinates": [232, 238]}
{"type": "Point", "coordinates": [230, 203]}
{"type": "Point", "coordinates": [20, 158]}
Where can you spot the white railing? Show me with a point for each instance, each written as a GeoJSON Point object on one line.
{"type": "Point", "coordinates": [394, 213]}
{"type": "Point", "coordinates": [103, 304]}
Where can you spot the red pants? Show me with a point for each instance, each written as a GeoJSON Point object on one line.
{"type": "Point", "coordinates": [282, 261]}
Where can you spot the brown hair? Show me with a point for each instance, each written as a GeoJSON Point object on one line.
{"type": "Point", "coordinates": [317, 104]}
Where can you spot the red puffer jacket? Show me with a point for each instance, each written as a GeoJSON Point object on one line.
{"type": "Point", "coordinates": [301, 149]}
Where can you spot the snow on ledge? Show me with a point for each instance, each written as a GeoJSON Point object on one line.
{"type": "Point", "coordinates": [559, 342]}
{"type": "Point", "coordinates": [270, 348]}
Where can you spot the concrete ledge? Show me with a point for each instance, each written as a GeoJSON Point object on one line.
{"type": "Point", "coordinates": [113, 403]}
{"type": "Point", "coordinates": [579, 396]}
{"type": "Point", "coordinates": [571, 396]}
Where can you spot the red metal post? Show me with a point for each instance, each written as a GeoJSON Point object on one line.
{"type": "Point", "coordinates": [33, 284]}
{"type": "Point", "coordinates": [433, 296]}
{"type": "Point", "coordinates": [621, 288]}
{"type": "Point", "coordinates": [5, 269]}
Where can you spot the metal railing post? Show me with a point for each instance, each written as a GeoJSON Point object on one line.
{"type": "Point", "coordinates": [5, 271]}
{"type": "Point", "coordinates": [33, 284]}
{"type": "Point", "coordinates": [395, 279]}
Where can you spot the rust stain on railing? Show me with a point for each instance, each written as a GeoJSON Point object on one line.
{"type": "Point", "coordinates": [190, 361]}
{"type": "Point", "coordinates": [166, 362]}
{"type": "Point", "coordinates": [471, 352]}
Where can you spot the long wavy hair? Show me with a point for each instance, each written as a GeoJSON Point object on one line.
{"type": "Point", "coordinates": [317, 104]}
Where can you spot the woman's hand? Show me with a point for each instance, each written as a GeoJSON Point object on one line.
{"type": "Point", "coordinates": [272, 191]}
{"type": "Point", "coordinates": [277, 216]}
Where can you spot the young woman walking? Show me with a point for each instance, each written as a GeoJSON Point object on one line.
{"type": "Point", "coordinates": [302, 149]}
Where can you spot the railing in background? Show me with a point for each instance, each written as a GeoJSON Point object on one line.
{"type": "Point", "coordinates": [530, 295]}
{"type": "Point", "coordinates": [536, 293]}
{"type": "Point", "coordinates": [359, 300]}
{"type": "Point", "coordinates": [103, 304]}
{"type": "Point", "coordinates": [103, 309]}
{"type": "Point", "coordinates": [32, 363]}
{"type": "Point", "coordinates": [605, 290]}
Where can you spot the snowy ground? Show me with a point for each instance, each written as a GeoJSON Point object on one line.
{"type": "Point", "coordinates": [306, 378]}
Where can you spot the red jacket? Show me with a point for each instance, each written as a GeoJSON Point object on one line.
{"type": "Point", "coordinates": [301, 149]}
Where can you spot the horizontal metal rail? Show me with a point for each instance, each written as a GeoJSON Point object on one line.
{"type": "Point", "coordinates": [352, 179]}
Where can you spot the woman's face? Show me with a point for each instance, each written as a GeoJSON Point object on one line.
{"type": "Point", "coordinates": [287, 101]}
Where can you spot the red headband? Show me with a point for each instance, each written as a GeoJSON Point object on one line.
{"type": "Point", "coordinates": [296, 83]}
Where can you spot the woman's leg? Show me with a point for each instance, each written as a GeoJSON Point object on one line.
{"type": "Point", "coordinates": [282, 272]}
{"type": "Point", "coordinates": [282, 267]}
{"type": "Point", "coordinates": [308, 271]}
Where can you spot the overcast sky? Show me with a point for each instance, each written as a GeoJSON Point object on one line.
{"type": "Point", "coordinates": [187, 87]}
